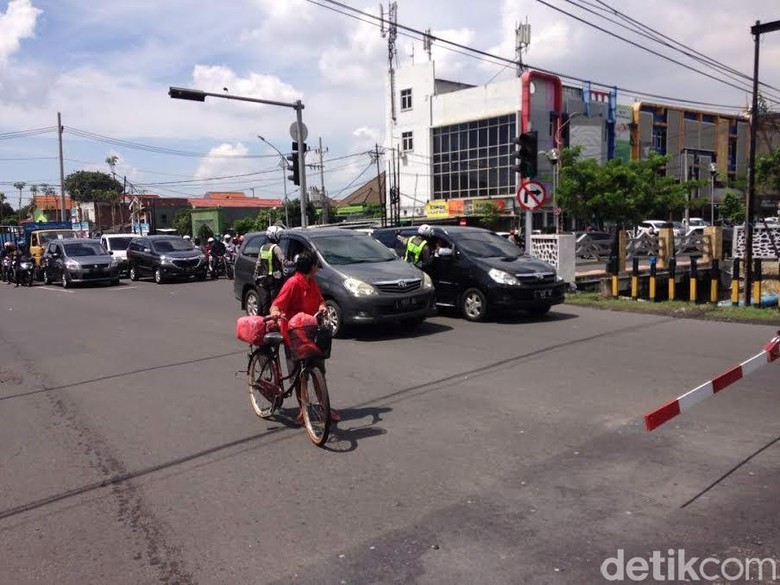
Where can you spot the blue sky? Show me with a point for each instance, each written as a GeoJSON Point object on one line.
{"type": "Point", "coordinates": [107, 66]}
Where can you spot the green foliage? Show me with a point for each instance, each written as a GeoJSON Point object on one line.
{"type": "Point", "coordinates": [619, 191]}
{"type": "Point", "coordinates": [491, 215]}
{"type": "Point", "coordinates": [768, 172]}
{"type": "Point", "coordinates": [87, 186]}
{"type": "Point", "coordinates": [183, 222]}
{"type": "Point", "coordinates": [370, 210]}
{"type": "Point", "coordinates": [245, 225]}
{"type": "Point", "coordinates": [205, 232]}
{"type": "Point", "coordinates": [732, 208]}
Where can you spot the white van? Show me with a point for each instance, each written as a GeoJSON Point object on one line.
{"type": "Point", "coordinates": [117, 245]}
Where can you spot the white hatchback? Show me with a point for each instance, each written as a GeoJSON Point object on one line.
{"type": "Point", "coordinates": [117, 245]}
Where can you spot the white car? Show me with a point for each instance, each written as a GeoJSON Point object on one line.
{"type": "Point", "coordinates": [117, 245]}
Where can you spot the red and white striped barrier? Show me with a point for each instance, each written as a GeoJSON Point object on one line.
{"type": "Point", "coordinates": [674, 407]}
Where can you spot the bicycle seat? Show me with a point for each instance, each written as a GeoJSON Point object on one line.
{"type": "Point", "coordinates": [273, 338]}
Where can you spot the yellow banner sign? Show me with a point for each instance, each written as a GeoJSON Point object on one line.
{"type": "Point", "coordinates": [437, 209]}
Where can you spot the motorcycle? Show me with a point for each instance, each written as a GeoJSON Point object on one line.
{"type": "Point", "coordinates": [217, 266]}
{"type": "Point", "coordinates": [24, 272]}
{"type": "Point", "coordinates": [230, 263]}
{"type": "Point", "coordinates": [8, 269]}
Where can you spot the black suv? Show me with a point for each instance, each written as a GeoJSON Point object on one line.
{"type": "Point", "coordinates": [165, 257]}
{"type": "Point", "coordinates": [475, 270]}
{"type": "Point", "coordinates": [361, 280]}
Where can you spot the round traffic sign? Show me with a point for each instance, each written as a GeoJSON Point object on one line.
{"type": "Point", "coordinates": [294, 131]}
{"type": "Point", "coordinates": [531, 195]}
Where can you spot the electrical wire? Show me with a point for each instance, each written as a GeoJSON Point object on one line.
{"type": "Point", "coordinates": [496, 59]}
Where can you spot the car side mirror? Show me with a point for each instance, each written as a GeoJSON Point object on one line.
{"type": "Point", "coordinates": [110, 252]}
{"type": "Point", "coordinates": [147, 250]}
{"type": "Point", "coordinates": [445, 252]}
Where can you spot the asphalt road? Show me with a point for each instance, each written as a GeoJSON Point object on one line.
{"type": "Point", "coordinates": [511, 451]}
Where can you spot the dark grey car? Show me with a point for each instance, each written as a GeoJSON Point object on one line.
{"type": "Point", "coordinates": [77, 260]}
{"type": "Point", "coordinates": [362, 281]}
{"type": "Point", "coordinates": [165, 258]}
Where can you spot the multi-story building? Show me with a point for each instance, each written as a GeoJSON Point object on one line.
{"type": "Point", "coordinates": [450, 146]}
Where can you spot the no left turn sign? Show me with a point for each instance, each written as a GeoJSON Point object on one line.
{"type": "Point", "coordinates": [531, 195]}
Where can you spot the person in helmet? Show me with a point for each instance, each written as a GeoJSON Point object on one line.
{"type": "Point", "coordinates": [7, 257]}
{"type": "Point", "coordinates": [230, 246]}
{"type": "Point", "coordinates": [418, 247]}
{"type": "Point", "coordinates": [186, 237]}
{"type": "Point", "coordinates": [269, 270]}
{"type": "Point", "coordinates": [216, 255]}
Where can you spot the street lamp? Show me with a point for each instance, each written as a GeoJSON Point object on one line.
{"type": "Point", "coordinates": [559, 129]}
{"type": "Point", "coordinates": [554, 156]}
{"type": "Point", "coordinates": [197, 95]}
{"type": "Point", "coordinates": [713, 173]}
{"type": "Point", "coordinates": [283, 166]}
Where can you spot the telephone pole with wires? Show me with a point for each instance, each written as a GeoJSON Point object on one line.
{"type": "Point", "coordinates": [522, 42]}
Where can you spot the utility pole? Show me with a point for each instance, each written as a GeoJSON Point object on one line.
{"type": "Point", "coordinates": [323, 196]}
{"type": "Point", "coordinates": [62, 169]}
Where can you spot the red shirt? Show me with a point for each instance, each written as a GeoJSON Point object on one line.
{"type": "Point", "coordinates": [299, 295]}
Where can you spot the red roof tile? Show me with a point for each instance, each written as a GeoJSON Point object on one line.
{"type": "Point", "coordinates": [247, 202]}
{"type": "Point", "coordinates": [46, 202]}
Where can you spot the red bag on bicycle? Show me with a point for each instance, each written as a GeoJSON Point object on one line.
{"type": "Point", "coordinates": [301, 337]}
{"type": "Point", "coordinates": [251, 329]}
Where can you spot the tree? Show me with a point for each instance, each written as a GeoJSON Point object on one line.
{"type": "Point", "coordinates": [183, 222]}
{"type": "Point", "coordinates": [624, 192]}
{"type": "Point", "coordinates": [205, 232]}
{"type": "Point", "coordinates": [2, 206]}
{"type": "Point", "coordinates": [111, 162]}
{"type": "Point", "coordinates": [491, 215]}
{"type": "Point", "coordinates": [732, 208]}
{"type": "Point", "coordinates": [245, 225]}
{"type": "Point", "coordinates": [90, 186]}
{"type": "Point", "coordinates": [768, 172]}
{"type": "Point", "coordinates": [20, 185]}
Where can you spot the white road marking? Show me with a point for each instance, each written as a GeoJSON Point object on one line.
{"type": "Point", "coordinates": [44, 287]}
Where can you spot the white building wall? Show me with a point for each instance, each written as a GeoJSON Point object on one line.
{"type": "Point", "coordinates": [431, 111]}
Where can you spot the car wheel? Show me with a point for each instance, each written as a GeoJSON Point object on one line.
{"type": "Point", "coordinates": [133, 273]}
{"type": "Point", "coordinates": [252, 302]}
{"type": "Point", "coordinates": [158, 275]}
{"type": "Point", "coordinates": [539, 311]}
{"type": "Point", "coordinates": [65, 280]}
{"type": "Point", "coordinates": [46, 277]}
{"type": "Point", "coordinates": [473, 303]}
{"type": "Point", "coordinates": [333, 318]}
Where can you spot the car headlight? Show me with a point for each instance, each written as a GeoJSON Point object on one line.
{"type": "Point", "coordinates": [427, 282]}
{"type": "Point", "coordinates": [359, 288]}
{"type": "Point", "coordinates": [502, 277]}
{"type": "Point", "coordinates": [166, 260]}
{"type": "Point", "coordinates": [114, 262]}
{"type": "Point", "coordinates": [72, 265]}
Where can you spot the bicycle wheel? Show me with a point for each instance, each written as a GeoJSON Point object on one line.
{"type": "Point", "coordinates": [315, 404]}
{"type": "Point", "coordinates": [263, 387]}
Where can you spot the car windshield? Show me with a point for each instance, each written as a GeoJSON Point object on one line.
{"type": "Point", "coordinates": [84, 249]}
{"type": "Point", "coordinates": [172, 245]}
{"type": "Point", "coordinates": [46, 237]}
{"type": "Point", "coordinates": [340, 250]}
{"type": "Point", "coordinates": [487, 245]}
{"type": "Point", "coordinates": [118, 243]}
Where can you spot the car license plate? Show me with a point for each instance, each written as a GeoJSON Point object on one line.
{"type": "Point", "coordinates": [543, 294]}
{"type": "Point", "coordinates": [404, 303]}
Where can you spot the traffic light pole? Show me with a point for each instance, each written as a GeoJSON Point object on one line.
{"type": "Point", "coordinates": [196, 95]}
{"type": "Point", "coordinates": [302, 164]}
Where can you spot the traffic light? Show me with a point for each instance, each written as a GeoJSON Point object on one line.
{"type": "Point", "coordinates": [527, 155]}
{"type": "Point", "coordinates": [293, 165]}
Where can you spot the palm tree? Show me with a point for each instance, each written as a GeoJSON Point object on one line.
{"type": "Point", "coordinates": [111, 162]}
{"type": "Point", "coordinates": [20, 185]}
{"type": "Point", "coordinates": [2, 205]}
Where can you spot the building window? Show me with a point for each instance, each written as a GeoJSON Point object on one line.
{"type": "Point", "coordinates": [406, 99]}
{"type": "Point", "coordinates": [474, 159]}
{"type": "Point", "coordinates": [407, 141]}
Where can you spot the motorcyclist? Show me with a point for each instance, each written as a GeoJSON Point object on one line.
{"type": "Point", "coordinates": [19, 256]}
{"type": "Point", "coordinates": [216, 252]}
{"type": "Point", "coordinates": [269, 269]}
{"type": "Point", "coordinates": [6, 258]}
{"type": "Point", "coordinates": [418, 249]}
{"type": "Point", "coordinates": [230, 246]}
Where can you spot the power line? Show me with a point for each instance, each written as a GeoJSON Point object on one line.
{"type": "Point", "coordinates": [490, 58]}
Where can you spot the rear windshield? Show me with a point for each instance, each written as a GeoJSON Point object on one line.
{"type": "Point", "coordinates": [84, 249]}
{"type": "Point", "coordinates": [172, 245]}
{"type": "Point", "coordinates": [487, 245]}
{"type": "Point", "coordinates": [341, 250]}
{"type": "Point", "coordinates": [118, 243]}
{"type": "Point", "coordinates": [46, 237]}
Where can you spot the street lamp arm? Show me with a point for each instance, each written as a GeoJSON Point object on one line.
{"type": "Point", "coordinates": [184, 93]}
{"type": "Point", "coordinates": [279, 152]}
{"type": "Point", "coordinates": [559, 129]}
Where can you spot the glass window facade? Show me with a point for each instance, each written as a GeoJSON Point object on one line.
{"type": "Point", "coordinates": [474, 159]}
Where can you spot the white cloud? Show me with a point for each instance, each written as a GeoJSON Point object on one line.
{"type": "Point", "coordinates": [215, 78]}
{"type": "Point", "coordinates": [17, 23]}
{"type": "Point", "coordinates": [357, 59]}
{"type": "Point", "coordinates": [214, 166]}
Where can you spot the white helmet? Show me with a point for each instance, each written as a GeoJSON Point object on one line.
{"type": "Point", "coordinates": [227, 237]}
{"type": "Point", "coordinates": [425, 231]}
{"type": "Point", "coordinates": [210, 240]}
{"type": "Point", "coordinates": [186, 237]}
{"type": "Point", "coordinates": [274, 232]}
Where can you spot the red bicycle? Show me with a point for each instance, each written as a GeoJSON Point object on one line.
{"type": "Point", "coordinates": [267, 385]}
